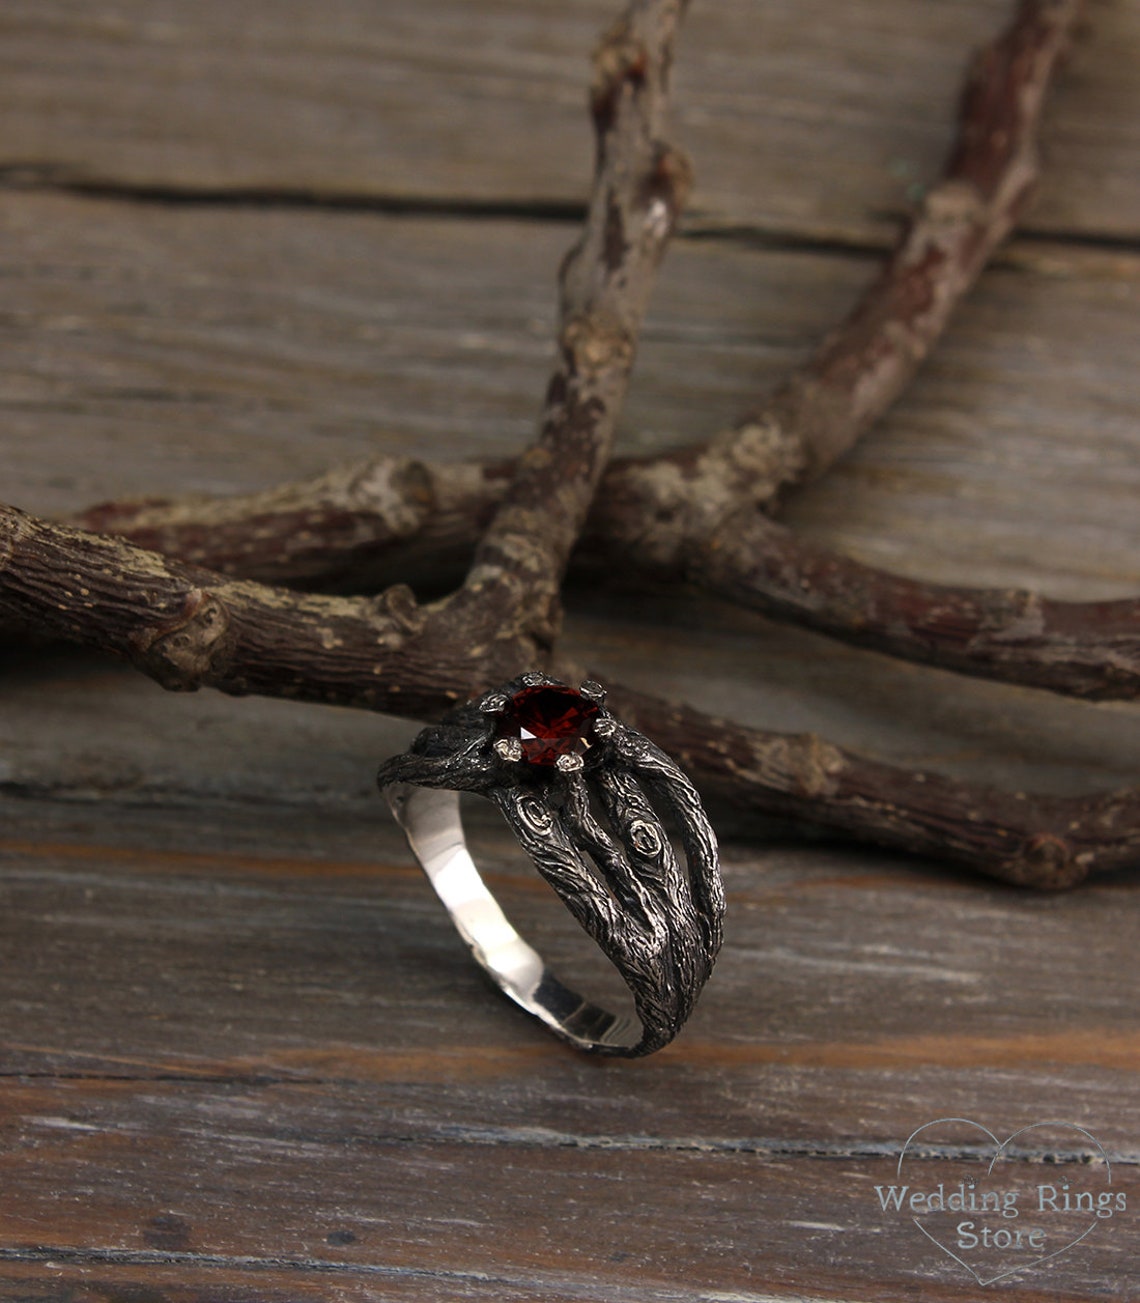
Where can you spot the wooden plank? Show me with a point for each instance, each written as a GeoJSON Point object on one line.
{"type": "Point", "coordinates": [610, 1224]}
{"type": "Point", "coordinates": [151, 350]}
{"type": "Point", "coordinates": [242, 1054]}
{"type": "Point", "coordinates": [301, 949]}
{"type": "Point", "coordinates": [802, 118]}
{"type": "Point", "coordinates": [152, 1277]}
{"type": "Point", "coordinates": [156, 350]}
{"type": "Point", "coordinates": [987, 472]}
{"type": "Point", "coordinates": [286, 1060]}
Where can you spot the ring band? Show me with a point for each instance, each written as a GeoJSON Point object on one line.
{"type": "Point", "coordinates": [571, 781]}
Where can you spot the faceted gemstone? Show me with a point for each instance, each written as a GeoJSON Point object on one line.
{"type": "Point", "coordinates": [549, 720]}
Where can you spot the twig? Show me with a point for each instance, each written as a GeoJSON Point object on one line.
{"type": "Point", "coordinates": [668, 514]}
{"type": "Point", "coordinates": [855, 376]}
{"type": "Point", "coordinates": [335, 529]}
{"type": "Point", "coordinates": [186, 627]}
{"type": "Point", "coordinates": [640, 184]}
{"type": "Point", "coordinates": [1036, 841]}
{"type": "Point", "coordinates": [1080, 649]}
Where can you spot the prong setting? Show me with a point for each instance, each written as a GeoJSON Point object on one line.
{"type": "Point", "coordinates": [582, 809]}
{"type": "Point", "coordinates": [509, 748]}
{"type": "Point", "coordinates": [593, 692]}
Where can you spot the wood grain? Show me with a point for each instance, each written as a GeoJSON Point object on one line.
{"type": "Point", "coordinates": [247, 1059]}
{"type": "Point", "coordinates": [156, 350]}
{"type": "Point", "coordinates": [152, 349]}
{"type": "Point", "coordinates": [804, 117]}
{"type": "Point", "coordinates": [243, 1058]}
{"type": "Point", "coordinates": [312, 951]}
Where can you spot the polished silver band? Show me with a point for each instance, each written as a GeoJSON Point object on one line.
{"type": "Point", "coordinates": [592, 832]}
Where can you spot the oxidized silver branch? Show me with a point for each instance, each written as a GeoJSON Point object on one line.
{"type": "Point", "coordinates": [574, 784]}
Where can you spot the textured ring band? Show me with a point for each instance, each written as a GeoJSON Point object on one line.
{"type": "Point", "coordinates": [574, 785]}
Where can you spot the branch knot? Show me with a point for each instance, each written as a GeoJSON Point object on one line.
{"type": "Point", "coordinates": [178, 655]}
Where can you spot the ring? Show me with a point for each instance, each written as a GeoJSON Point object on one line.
{"type": "Point", "coordinates": [572, 782]}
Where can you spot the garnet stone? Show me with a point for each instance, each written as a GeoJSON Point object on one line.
{"type": "Point", "coordinates": [549, 720]}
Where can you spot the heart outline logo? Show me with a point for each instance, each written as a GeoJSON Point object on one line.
{"type": "Point", "coordinates": [1000, 1149]}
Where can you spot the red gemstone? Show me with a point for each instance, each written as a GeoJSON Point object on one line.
{"type": "Point", "coordinates": [549, 720]}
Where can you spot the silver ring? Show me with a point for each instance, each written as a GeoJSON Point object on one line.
{"type": "Point", "coordinates": [561, 768]}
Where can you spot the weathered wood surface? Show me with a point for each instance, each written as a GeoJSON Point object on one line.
{"type": "Point", "coordinates": [808, 118]}
{"type": "Point", "coordinates": [151, 349]}
{"type": "Point", "coordinates": [242, 1056]}
{"type": "Point", "coordinates": [200, 350]}
{"type": "Point", "coordinates": [250, 1044]}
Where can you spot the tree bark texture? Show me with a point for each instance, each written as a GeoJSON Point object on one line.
{"type": "Point", "coordinates": [179, 591]}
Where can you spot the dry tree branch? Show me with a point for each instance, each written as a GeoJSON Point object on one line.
{"type": "Point", "coordinates": [820, 412]}
{"type": "Point", "coordinates": [693, 513]}
{"type": "Point", "coordinates": [679, 505]}
{"type": "Point", "coordinates": [1036, 841]}
{"type": "Point", "coordinates": [335, 530]}
{"type": "Point", "coordinates": [1079, 649]}
{"type": "Point", "coordinates": [187, 626]}
{"type": "Point", "coordinates": [506, 615]}
{"type": "Point", "coordinates": [640, 184]}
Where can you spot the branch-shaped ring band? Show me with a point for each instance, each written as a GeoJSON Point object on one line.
{"type": "Point", "coordinates": [574, 785]}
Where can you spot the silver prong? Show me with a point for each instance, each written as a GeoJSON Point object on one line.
{"type": "Point", "coordinates": [509, 748]}
{"type": "Point", "coordinates": [605, 727]}
{"type": "Point", "coordinates": [532, 679]}
{"type": "Point", "coordinates": [568, 764]}
{"type": "Point", "coordinates": [593, 691]}
{"type": "Point", "coordinates": [495, 704]}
